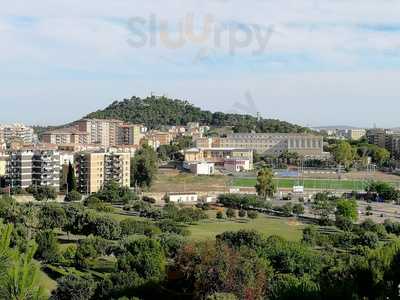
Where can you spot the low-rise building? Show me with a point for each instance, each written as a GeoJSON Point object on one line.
{"type": "Point", "coordinates": [182, 197]}
{"type": "Point", "coordinates": [157, 138]}
{"type": "Point", "coordinates": [307, 145]}
{"type": "Point", "coordinates": [202, 168]}
{"type": "Point", "coordinates": [217, 155]}
{"type": "Point", "coordinates": [237, 164]}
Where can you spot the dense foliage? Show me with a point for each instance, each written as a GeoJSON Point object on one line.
{"type": "Point", "coordinates": [155, 112]}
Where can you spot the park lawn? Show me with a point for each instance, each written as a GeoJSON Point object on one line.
{"type": "Point", "coordinates": [308, 183]}
{"type": "Point", "coordinates": [46, 283]}
{"type": "Point", "coordinates": [288, 228]}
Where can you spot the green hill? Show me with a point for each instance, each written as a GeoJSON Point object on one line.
{"type": "Point", "coordinates": [155, 112]}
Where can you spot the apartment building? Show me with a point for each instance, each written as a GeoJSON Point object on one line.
{"type": "Point", "coordinates": [101, 132]}
{"type": "Point", "coordinates": [356, 134]}
{"type": "Point", "coordinates": [3, 164]}
{"type": "Point", "coordinates": [65, 136]}
{"type": "Point", "coordinates": [393, 145]}
{"type": "Point", "coordinates": [377, 136]}
{"type": "Point", "coordinates": [33, 167]}
{"type": "Point", "coordinates": [129, 134]}
{"type": "Point", "coordinates": [275, 144]}
{"type": "Point", "coordinates": [94, 169]}
{"type": "Point", "coordinates": [20, 132]}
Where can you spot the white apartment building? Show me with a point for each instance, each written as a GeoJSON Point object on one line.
{"type": "Point", "coordinates": [33, 167]}
{"type": "Point", "coordinates": [20, 132]}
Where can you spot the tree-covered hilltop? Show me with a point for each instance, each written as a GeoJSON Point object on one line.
{"type": "Point", "coordinates": [158, 111]}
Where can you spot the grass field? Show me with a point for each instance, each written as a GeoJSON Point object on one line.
{"type": "Point", "coordinates": [308, 183]}
{"type": "Point", "coordinates": [289, 229]}
{"type": "Point", "coordinates": [46, 283]}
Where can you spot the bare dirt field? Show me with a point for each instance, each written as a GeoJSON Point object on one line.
{"type": "Point", "coordinates": [176, 181]}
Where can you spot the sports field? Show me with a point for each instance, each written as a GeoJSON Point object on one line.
{"type": "Point", "coordinates": [288, 183]}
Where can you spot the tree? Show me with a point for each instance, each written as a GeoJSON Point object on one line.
{"type": "Point", "coordinates": [77, 219]}
{"type": "Point", "coordinates": [323, 206]}
{"type": "Point", "coordinates": [104, 226]}
{"type": "Point", "coordinates": [347, 209]}
{"type": "Point", "coordinates": [43, 193]}
{"type": "Point", "coordinates": [89, 249]}
{"type": "Point", "coordinates": [384, 190]}
{"type": "Point", "coordinates": [48, 248]}
{"type": "Point", "coordinates": [143, 256]}
{"type": "Point", "coordinates": [71, 179]}
{"type": "Point", "coordinates": [265, 186]}
{"type": "Point", "coordinates": [73, 196]}
{"type": "Point", "coordinates": [252, 214]}
{"type": "Point", "coordinates": [287, 287]}
{"type": "Point", "coordinates": [287, 209]}
{"type": "Point", "coordinates": [344, 153]}
{"type": "Point", "coordinates": [214, 268]}
{"type": "Point", "coordinates": [381, 155]}
{"type": "Point", "coordinates": [298, 209]}
{"type": "Point", "coordinates": [72, 287]}
{"type": "Point", "coordinates": [369, 239]}
{"type": "Point", "coordinates": [222, 296]}
{"type": "Point", "coordinates": [144, 167]}
{"type": "Point", "coordinates": [52, 216]}
{"type": "Point", "coordinates": [230, 213]}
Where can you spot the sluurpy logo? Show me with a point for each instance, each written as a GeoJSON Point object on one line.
{"type": "Point", "coordinates": [230, 36]}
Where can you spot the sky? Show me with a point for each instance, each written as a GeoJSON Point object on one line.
{"type": "Point", "coordinates": [311, 62]}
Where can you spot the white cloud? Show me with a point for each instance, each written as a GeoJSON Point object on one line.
{"type": "Point", "coordinates": [312, 41]}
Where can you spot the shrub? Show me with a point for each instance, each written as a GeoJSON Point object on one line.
{"type": "Point", "coordinates": [73, 287]}
{"type": "Point", "coordinates": [170, 226]}
{"type": "Point", "coordinates": [130, 226]}
{"type": "Point", "coordinates": [343, 223]}
{"type": "Point", "coordinates": [242, 213]}
{"type": "Point", "coordinates": [73, 196]}
{"type": "Point", "coordinates": [252, 214]}
{"type": "Point", "coordinates": [230, 213]}
{"type": "Point", "coordinates": [369, 239]}
{"type": "Point", "coordinates": [149, 199]}
{"type": "Point", "coordinates": [219, 215]}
